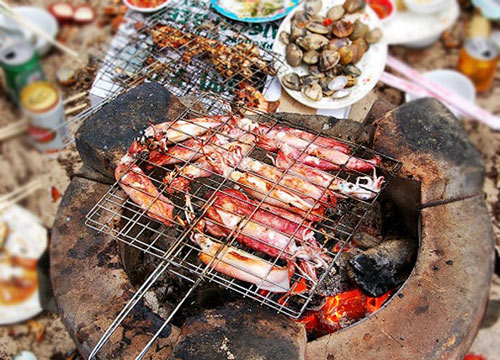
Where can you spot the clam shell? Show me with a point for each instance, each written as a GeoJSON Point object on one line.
{"type": "Point", "coordinates": [313, 92]}
{"type": "Point", "coordinates": [311, 57]}
{"type": "Point", "coordinates": [341, 93]}
{"type": "Point", "coordinates": [294, 55]}
{"type": "Point", "coordinates": [312, 6]}
{"type": "Point", "coordinates": [317, 28]}
{"type": "Point", "coordinates": [328, 60]}
{"type": "Point", "coordinates": [335, 13]}
{"type": "Point", "coordinates": [312, 42]}
{"type": "Point", "coordinates": [373, 36]}
{"type": "Point", "coordinates": [285, 37]}
{"type": "Point", "coordinates": [338, 83]}
{"type": "Point", "coordinates": [291, 81]}
{"type": "Point", "coordinates": [342, 29]}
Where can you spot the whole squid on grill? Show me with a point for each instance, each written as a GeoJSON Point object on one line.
{"type": "Point", "coordinates": [365, 187]}
{"type": "Point", "coordinates": [159, 136]}
{"type": "Point", "coordinates": [257, 228]}
{"type": "Point", "coordinates": [141, 189]}
{"type": "Point", "coordinates": [242, 265]}
{"type": "Point", "coordinates": [329, 159]}
{"type": "Point", "coordinates": [316, 151]}
{"type": "Point", "coordinates": [234, 151]}
{"type": "Point", "coordinates": [191, 149]}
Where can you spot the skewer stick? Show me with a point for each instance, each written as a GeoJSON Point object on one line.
{"type": "Point", "coordinates": [75, 97]}
{"type": "Point", "coordinates": [19, 194]}
{"type": "Point", "coordinates": [35, 29]}
{"type": "Point", "coordinates": [75, 109]}
{"type": "Point", "coordinates": [13, 129]}
{"type": "Point", "coordinates": [466, 107]}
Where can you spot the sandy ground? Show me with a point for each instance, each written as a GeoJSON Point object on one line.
{"type": "Point", "coordinates": [20, 163]}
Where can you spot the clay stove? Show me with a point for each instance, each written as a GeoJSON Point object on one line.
{"type": "Point", "coordinates": [435, 314]}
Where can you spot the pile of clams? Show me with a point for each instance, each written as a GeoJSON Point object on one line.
{"type": "Point", "coordinates": [330, 46]}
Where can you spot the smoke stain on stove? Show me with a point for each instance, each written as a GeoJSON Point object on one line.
{"type": "Point", "coordinates": [419, 310]}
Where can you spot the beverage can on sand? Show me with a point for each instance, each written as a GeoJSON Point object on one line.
{"type": "Point", "coordinates": [21, 65]}
{"type": "Point", "coordinates": [47, 128]}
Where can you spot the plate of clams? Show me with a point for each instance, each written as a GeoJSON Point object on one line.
{"type": "Point", "coordinates": [333, 50]}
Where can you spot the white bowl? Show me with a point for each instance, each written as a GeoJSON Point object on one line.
{"type": "Point", "coordinates": [453, 81]}
{"type": "Point", "coordinates": [426, 7]}
{"type": "Point", "coordinates": [40, 18]}
{"type": "Point", "coordinates": [145, 10]}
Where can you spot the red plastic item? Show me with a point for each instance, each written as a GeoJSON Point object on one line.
{"type": "Point", "coordinates": [383, 8]}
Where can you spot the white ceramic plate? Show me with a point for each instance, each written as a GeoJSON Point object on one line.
{"type": "Point", "coordinates": [372, 63]}
{"type": "Point", "coordinates": [27, 237]}
{"type": "Point", "coordinates": [143, 9]}
{"type": "Point", "coordinates": [408, 27]}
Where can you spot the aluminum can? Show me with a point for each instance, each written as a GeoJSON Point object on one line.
{"type": "Point", "coordinates": [478, 61]}
{"type": "Point", "coordinates": [47, 128]}
{"type": "Point", "coordinates": [21, 65]}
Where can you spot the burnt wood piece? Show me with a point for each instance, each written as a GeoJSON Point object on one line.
{"type": "Point", "coordinates": [241, 330]}
{"type": "Point", "coordinates": [106, 136]}
{"type": "Point", "coordinates": [434, 149]}
{"type": "Point", "coordinates": [383, 267]}
{"type": "Point", "coordinates": [90, 285]}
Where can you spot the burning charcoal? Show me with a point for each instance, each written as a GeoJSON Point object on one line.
{"type": "Point", "coordinates": [382, 268]}
{"type": "Point", "coordinates": [337, 280]}
{"type": "Point", "coordinates": [364, 241]}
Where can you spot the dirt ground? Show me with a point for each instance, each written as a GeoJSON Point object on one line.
{"type": "Point", "coordinates": [20, 163]}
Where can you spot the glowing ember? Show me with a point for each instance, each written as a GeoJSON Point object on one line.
{"type": "Point", "coordinates": [340, 311]}
{"type": "Point", "coordinates": [474, 357]}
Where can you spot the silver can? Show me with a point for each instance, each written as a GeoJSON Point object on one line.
{"type": "Point", "coordinates": [48, 129]}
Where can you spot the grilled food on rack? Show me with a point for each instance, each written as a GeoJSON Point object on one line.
{"type": "Point", "coordinates": [242, 59]}
{"type": "Point", "coordinates": [141, 189]}
{"type": "Point", "coordinates": [365, 188]}
{"type": "Point", "coordinates": [261, 230]}
{"type": "Point", "coordinates": [292, 194]}
{"type": "Point", "coordinates": [242, 265]}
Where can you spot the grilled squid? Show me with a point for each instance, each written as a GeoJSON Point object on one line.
{"type": "Point", "coordinates": [316, 151]}
{"type": "Point", "coordinates": [260, 230]}
{"type": "Point", "coordinates": [365, 187]}
{"type": "Point", "coordinates": [141, 189]}
{"type": "Point", "coordinates": [243, 266]}
{"type": "Point", "coordinates": [158, 136]}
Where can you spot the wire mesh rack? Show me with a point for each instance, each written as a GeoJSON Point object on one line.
{"type": "Point", "coordinates": [187, 48]}
{"type": "Point", "coordinates": [252, 230]}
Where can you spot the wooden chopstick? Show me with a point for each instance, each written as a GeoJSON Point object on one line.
{"type": "Point", "coordinates": [35, 29]}
{"type": "Point", "coordinates": [75, 97]}
{"type": "Point", "coordinates": [75, 109]}
{"type": "Point", "coordinates": [19, 194]}
{"type": "Point", "coordinates": [13, 129]}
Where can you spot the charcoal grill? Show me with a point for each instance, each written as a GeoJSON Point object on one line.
{"type": "Point", "coordinates": [428, 165]}
{"type": "Point", "coordinates": [173, 247]}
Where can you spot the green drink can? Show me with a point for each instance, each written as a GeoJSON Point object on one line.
{"type": "Point", "coordinates": [21, 65]}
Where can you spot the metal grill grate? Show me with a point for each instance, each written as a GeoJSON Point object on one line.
{"type": "Point", "coordinates": [121, 218]}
